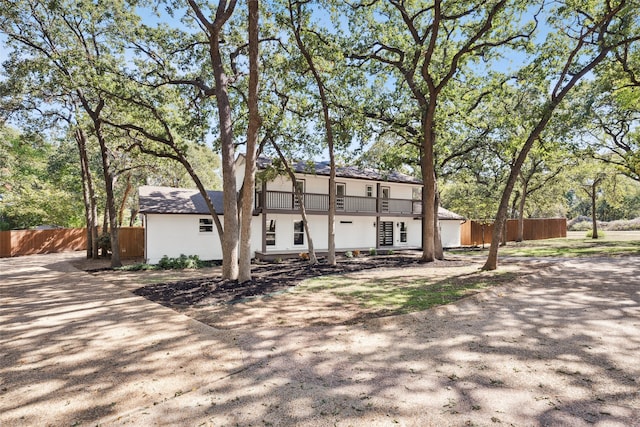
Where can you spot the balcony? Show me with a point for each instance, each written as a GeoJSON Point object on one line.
{"type": "Point", "coordinates": [282, 201]}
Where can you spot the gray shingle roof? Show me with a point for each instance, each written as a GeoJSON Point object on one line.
{"type": "Point", "coordinates": [322, 168]}
{"type": "Point", "coordinates": [447, 214]}
{"type": "Point", "coordinates": [177, 200]}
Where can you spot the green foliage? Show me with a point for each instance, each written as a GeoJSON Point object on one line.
{"type": "Point", "coordinates": [138, 267]}
{"type": "Point", "coordinates": [348, 254]}
{"type": "Point", "coordinates": [600, 234]}
{"type": "Point", "coordinates": [39, 184]}
{"type": "Point", "coordinates": [182, 262]}
{"type": "Point", "coordinates": [373, 252]}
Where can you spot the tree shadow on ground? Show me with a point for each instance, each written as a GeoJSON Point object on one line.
{"type": "Point", "coordinates": [560, 349]}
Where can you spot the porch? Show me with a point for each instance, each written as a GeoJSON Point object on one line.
{"type": "Point", "coordinates": [283, 202]}
{"type": "Point", "coordinates": [383, 250]}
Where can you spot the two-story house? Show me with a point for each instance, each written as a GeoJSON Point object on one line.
{"type": "Point", "coordinates": [373, 210]}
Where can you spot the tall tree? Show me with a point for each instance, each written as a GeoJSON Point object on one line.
{"type": "Point", "coordinates": [298, 18]}
{"type": "Point", "coordinates": [582, 38]}
{"type": "Point", "coordinates": [249, 183]}
{"type": "Point", "coordinates": [72, 45]}
{"type": "Point", "coordinates": [426, 45]}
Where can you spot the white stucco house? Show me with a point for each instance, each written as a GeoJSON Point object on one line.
{"type": "Point", "coordinates": [374, 210]}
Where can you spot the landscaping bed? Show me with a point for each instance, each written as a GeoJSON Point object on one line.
{"type": "Point", "coordinates": [268, 279]}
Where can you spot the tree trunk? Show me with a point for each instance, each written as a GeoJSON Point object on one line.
{"type": "Point", "coordinates": [523, 200]}
{"type": "Point", "coordinates": [594, 221]}
{"type": "Point", "coordinates": [111, 203]}
{"type": "Point", "coordinates": [132, 218]}
{"type": "Point", "coordinates": [501, 216]}
{"type": "Point", "coordinates": [331, 218]}
{"type": "Point", "coordinates": [437, 243]}
{"type": "Point", "coordinates": [303, 210]}
{"type": "Point", "coordinates": [244, 273]}
{"type": "Point", "coordinates": [123, 202]}
{"type": "Point", "coordinates": [230, 196]}
{"type": "Point", "coordinates": [89, 196]}
{"type": "Point", "coordinates": [429, 183]}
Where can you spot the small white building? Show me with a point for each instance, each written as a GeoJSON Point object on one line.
{"type": "Point", "coordinates": [373, 210]}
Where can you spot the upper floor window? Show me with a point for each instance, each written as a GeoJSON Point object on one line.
{"type": "Point", "coordinates": [369, 190]}
{"type": "Point", "coordinates": [299, 186]}
{"type": "Point", "coordinates": [206, 225]}
{"type": "Point", "coordinates": [416, 193]}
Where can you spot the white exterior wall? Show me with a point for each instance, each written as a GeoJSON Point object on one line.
{"type": "Point", "coordinates": [352, 232]}
{"type": "Point", "coordinates": [173, 235]}
{"type": "Point", "coordinates": [355, 232]}
{"type": "Point", "coordinates": [450, 233]}
{"type": "Point", "coordinates": [414, 232]}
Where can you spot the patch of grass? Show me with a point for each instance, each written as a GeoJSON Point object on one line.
{"type": "Point", "coordinates": [138, 267]}
{"type": "Point", "coordinates": [567, 248]}
{"type": "Point", "coordinates": [405, 294]}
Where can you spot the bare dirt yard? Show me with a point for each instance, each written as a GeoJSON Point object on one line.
{"type": "Point", "coordinates": [549, 342]}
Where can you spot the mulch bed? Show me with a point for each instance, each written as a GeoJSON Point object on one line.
{"type": "Point", "coordinates": [267, 279]}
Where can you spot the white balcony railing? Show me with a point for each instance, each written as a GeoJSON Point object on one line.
{"type": "Point", "coordinates": [287, 201]}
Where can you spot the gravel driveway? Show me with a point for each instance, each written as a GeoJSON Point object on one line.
{"type": "Point", "coordinates": [561, 347]}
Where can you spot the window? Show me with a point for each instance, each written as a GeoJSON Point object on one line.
{"type": "Point", "coordinates": [298, 187]}
{"type": "Point", "coordinates": [384, 203]}
{"type": "Point", "coordinates": [341, 190]}
{"type": "Point", "coordinates": [403, 232]}
{"type": "Point", "coordinates": [416, 193]}
{"type": "Point", "coordinates": [271, 232]}
{"type": "Point", "coordinates": [369, 190]}
{"type": "Point", "coordinates": [298, 233]}
{"type": "Point", "coordinates": [386, 192]}
{"type": "Point", "coordinates": [206, 225]}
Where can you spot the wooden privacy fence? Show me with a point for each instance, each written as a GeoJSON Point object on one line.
{"type": "Point", "coordinates": [474, 233]}
{"type": "Point", "coordinates": [30, 242]}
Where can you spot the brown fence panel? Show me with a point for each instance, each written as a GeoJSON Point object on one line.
{"type": "Point", "coordinates": [474, 233]}
{"type": "Point", "coordinates": [30, 242]}
{"type": "Point", "coordinates": [5, 244]}
{"type": "Point", "coordinates": [131, 242]}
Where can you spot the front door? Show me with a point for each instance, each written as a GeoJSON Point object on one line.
{"type": "Point", "coordinates": [385, 233]}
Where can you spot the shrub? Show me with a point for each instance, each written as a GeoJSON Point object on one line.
{"type": "Point", "coordinates": [348, 254]}
{"type": "Point", "coordinates": [583, 224]}
{"type": "Point", "coordinates": [182, 262]}
{"type": "Point", "coordinates": [373, 252]}
{"type": "Point", "coordinates": [389, 252]}
{"type": "Point", "coordinates": [140, 266]}
{"type": "Point", "coordinates": [624, 225]}
{"type": "Point", "coordinates": [303, 256]}
{"type": "Point", "coordinates": [356, 253]}
{"type": "Point", "coordinates": [600, 234]}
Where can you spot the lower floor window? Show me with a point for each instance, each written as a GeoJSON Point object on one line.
{"type": "Point", "coordinates": [403, 232]}
{"type": "Point", "coordinates": [298, 233]}
{"type": "Point", "coordinates": [206, 225]}
{"type": "Point", "coordinates": [271, 232]}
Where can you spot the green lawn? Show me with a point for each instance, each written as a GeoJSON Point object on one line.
{"type": "Point", "coordinates": [408, 290]}
{"type": "Point", "coordinates": [576, 245]}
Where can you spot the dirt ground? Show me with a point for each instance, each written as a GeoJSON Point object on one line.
{"type": "Point", "coordinates": [558, 346]}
